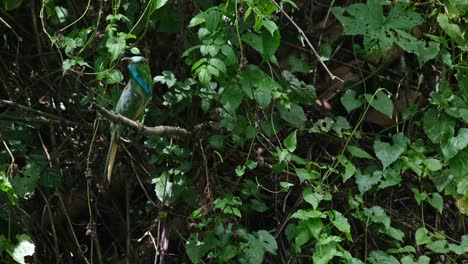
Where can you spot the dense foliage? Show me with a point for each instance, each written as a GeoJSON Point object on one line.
{"type": "Point", "coordinates": [279, 132]}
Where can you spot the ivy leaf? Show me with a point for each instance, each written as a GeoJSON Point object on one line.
{"type": "Point", "coordinates": [116, 45]}
{"type": "Point", "coordinates": [25, 247]}
{"type": "Point", "coordinates": [351, 100]}
{"type": "Point", "coordinates": [439, 246]}
{"type": "Point", "coordinates": [462, 248]}
{"type": "Point", "coordinates": [114, 76]}
{"type": "Point", "coordinates": [422, 236]}
{"type": "Point", "coordinates": [381, 102]}
{"type": "Point", "coordinates": [455, 144]}
{"type": "Point", "coordinates": [365, 181]}
{"type": "Point", "coordinates": [291, 141]}
{"type": "Point", "coordinates": [437, 202]}
{"type": "Point", "coordinates": [444, 129]}
{"type": "Point", "coordinates": [389, 153]}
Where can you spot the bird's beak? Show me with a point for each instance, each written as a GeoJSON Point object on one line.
{"type": "Point", "coordinates": [126, 59]}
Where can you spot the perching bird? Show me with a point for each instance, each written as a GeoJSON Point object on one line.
{"type": "Point", "coordinates": [132, 102]}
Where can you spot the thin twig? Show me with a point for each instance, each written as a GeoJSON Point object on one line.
{"type": "Point", "coordinates": [332, 76]}
{"type": "Point", "coordinates": [156, 130]}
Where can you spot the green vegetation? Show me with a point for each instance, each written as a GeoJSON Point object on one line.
{"type": "Point", "coordinates": [278, 132]}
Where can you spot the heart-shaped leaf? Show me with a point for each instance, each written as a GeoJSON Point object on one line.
{"type": "Point", "coordinates": [389, 153]}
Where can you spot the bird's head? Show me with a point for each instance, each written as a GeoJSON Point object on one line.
{"type": "Point", "coordinates": [139, 68]}
{"type": "Point", "coordinates": [135, 59]}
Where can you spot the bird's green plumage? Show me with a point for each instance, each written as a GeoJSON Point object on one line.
{"type": "Point", "coordinates": [132, 102]}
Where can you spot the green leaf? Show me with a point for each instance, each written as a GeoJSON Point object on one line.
{"type": "Point", "coordinates": [197, 249]}
{"type": "Point", "coordinates": [271, 44]}
{"type": "Point", "coordinates": [381, 102]}
{"type": "Point", "coordinates": [378, 215]}
{"type": "Point", "coordinates": [379, 31]}
{"type": "Point", "coordinates": [439, 246]}
{"type": "Point", "coordinates": [359, 152]}
{"type": "Point", "coordinates": [212, 20]}
{"type": "Point", "coordinates": [325, 51]}
{"type": "Point", "coordinates": [295, 116]}
{"type": "Point", "coordinates": [365, 181]}
{"type": "Point", "coordinates": [452, 30]}
{"type": "Point", "coordinates": [307, 214]}
{"type": "Point", "coordinates": [433, 164]}
{"type": "Point", "coordinates": [455, 144]}
{"type": "Point", "coordinates": [350, 169]}
{"type": "Point", "coordinates": [270, 26]}
{"type": "Point", "coordinates": [299, 63]}
{"type": "Point", "coordinates": [437, 202]}
{"type": "Point", "coordinates": [422, 236]}
{"type": "Point", "coordinates": [25, 247]}
{"type": "Point", "coordinates": [351, 100]}
{"type": "Point", "coordinates": [167, 78]}
{"type": "Point", "coordinates": [291, 141]}
{"type": "Point", "coordinates": [12, 4]}
{"type": "Point", "coordinates": [380, 257]}
{"type": "Point", "coordinates": [462, 248]}
{"type": "Point", "coordinates": [313, 198]}
{"type": "Point", "coordinates": [254, 41]}
{"type": "Point", "coordinates": [268, 241]}
{"type": "Point", "coordinates": [438, 126]}
{"type": "Point", "coordinates": [116, 46]}
{"type": "Point", "coordinates": [7, 188]}
{"type": "Point", "coordinates": [231, 97]}
{"type": "Point", "coordinates": [389, 153]}
{"type": "Point", "coordinates": [305, 175]}
{"type": "Point", "coordinates": [158, 4]}
{"type": "Point", "coordinates": [341, 223]}
{"type": "Point", "coordinates": [197, 20]}
{"type": "Point", "coordinates": [219, 64]}
{"type": "Point", "coordinates": [114, 76]}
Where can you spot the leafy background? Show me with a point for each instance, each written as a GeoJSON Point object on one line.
{"type": "Point", "coordinates": [315, 131]}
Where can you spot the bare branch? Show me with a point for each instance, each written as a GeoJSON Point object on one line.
{"type": "Point", "coordinates": [332, 76]}
{"type": "Point", "coordinates": [156, 130]}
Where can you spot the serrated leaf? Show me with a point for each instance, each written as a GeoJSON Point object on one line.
{"type": "Point", "coordinates": [313, 198]}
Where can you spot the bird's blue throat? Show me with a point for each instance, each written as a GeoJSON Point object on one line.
{"type": "Point", "coordinates": [146, 87]}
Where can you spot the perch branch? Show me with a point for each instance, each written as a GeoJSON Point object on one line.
{"type": "Point", "coordinates": [156, 130]}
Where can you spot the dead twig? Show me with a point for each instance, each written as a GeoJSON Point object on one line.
{"type": "Point", "coordinates": [332, 76]}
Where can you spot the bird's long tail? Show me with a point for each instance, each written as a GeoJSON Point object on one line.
{"type": "Point", "coordinates": [111, 155]}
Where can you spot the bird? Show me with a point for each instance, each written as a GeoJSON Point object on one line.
{"type": "Point", "coordinates": [132, 102]}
